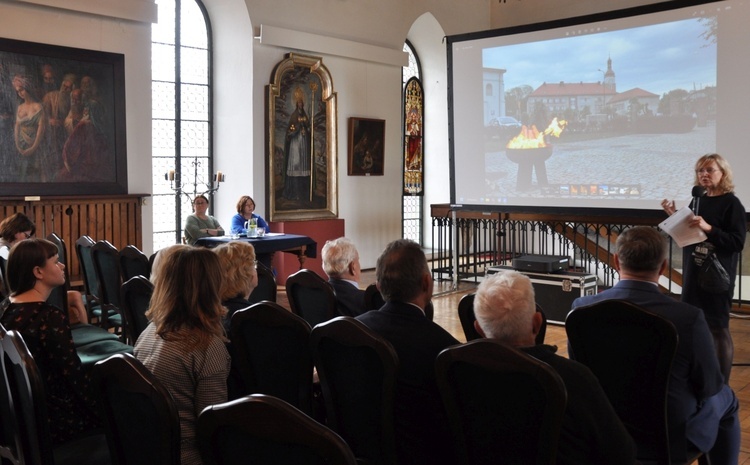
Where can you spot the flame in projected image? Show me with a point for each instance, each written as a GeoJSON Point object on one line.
{"type": "Point", "coordinates": [531, 138]}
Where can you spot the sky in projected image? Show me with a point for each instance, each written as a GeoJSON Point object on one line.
{"type": "Point", "coordinates": [656, 58]}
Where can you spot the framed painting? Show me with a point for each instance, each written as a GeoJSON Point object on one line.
{"type": "Point", "coordinates": [366, 147]}
{"type": "Point", "coordinates": [62, 121]}
{"type": "Point", "coordinates": [301, 141]}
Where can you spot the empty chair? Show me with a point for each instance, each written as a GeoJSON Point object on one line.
{"type": "Point", "coordinates": [133, 262]}
{"type": "Point", "coordinates": [373, 299]}
{"type": "Point", "coordinates": [357, 370]}
{"type": "Point", "coordinates": [83, 334]}
{"type": "Point", "coordinates": [91, 299]}
{"type": "Point", "coordinates": [3, 275]}
{"type": "Point", "coordinates": [271, 353]}
{"type": "Point", "coordinates": [28, 413]}
{"type": "Point", "coordinates": [266, 288]}
{"type": "Point", "coordinates": [467, 318]}
{"type": "Point", "coordinates": [10, 447]}
{"type": "Point", "coordinates": [106, 260]}
{"type": "Point", "coordinates": [630, 350]}
{"type": "Point", "coordinates": [504, 406]}
{"type": "Point", "coordinates": [264, 430]}
{"type": "Point", "coordinates": [135, 296]}
{"type": "Point", "coordinates": [311, 297]}
{"type": "Point", "coordinates": [141, 421]}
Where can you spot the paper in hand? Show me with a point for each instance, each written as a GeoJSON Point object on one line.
{"type": "Point", "coordinates": [678, 228]}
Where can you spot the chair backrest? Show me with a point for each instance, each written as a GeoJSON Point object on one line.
{"type": "Point", "coordinates": [266, 288]}
{"type": "Point", "coordinates": [630, 350]}
{"type": "Point", "coordinates": [133, 262]}
{"type": "Point", "coordinates": [271, 352]}
{"type": "Point", "coordinates": [311, 297]}
{"type": "Point", "coordinates": [4, 276]}
{"type": "Point", "coordinates": [502, 405]}
{"type": "Point", "coordinates": [373, 299]}
{"type": "Point", "coordinates": [106, 260]}
{"type": "Point", "coordinates": [264, 430]}
{"type": "Point", "coordinates": [10, 438]}
{"type": "Point", "coordinates": [26, 387]}
{"type": "Point", "coordinates": [141, 420]}
{"type": "Point", "coordinates": [466, 317]}
{"type": "Point", "coordinates": [135, 296]}
{"type": "Point", "coordinates": [86, 262]}
{"type": "Point", "coordinates": [59, 295]}
{"type": "Point", "coordinates": [357, 370]}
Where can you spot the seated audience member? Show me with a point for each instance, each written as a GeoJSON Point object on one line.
{"type": "Point", "coordinates": [699, 402]}
{"type": "Point", "coordinates": [184, 343]}
{"type": "Point", "coordinates": [240, 276]}
{"type": "Point", "coordinates": [19, 227]}
{"type": "Point", "coordinates": [33, 272]}
{"type": "Point", "coordinates": [201, 224]}
{"type": "Point", "coordinates": [14, 229]}
{"type": "Point", "coordinates": [341, 264]}
{"type": "Point", "coordinates": [245, 211]}
{"type": "Point", "coordinates": [591, 431]}
{"type": "Point", "coordinates": [404, 279]}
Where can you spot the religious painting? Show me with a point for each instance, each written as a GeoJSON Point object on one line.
{"type": "Point", "coordinates": [366, 147]}
{"type": "Point", "coordinates": [413, 138]}
{"type": "Point", "coordinates": [301, 141]}
{"type": "Point", "coordinates": [62, 121]}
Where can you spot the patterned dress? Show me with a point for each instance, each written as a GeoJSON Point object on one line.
{"type": "Point", "coordinates": [71, 403]}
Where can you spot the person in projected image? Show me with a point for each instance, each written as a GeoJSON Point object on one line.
{"type": "Point", "coordinates": [720, 214]}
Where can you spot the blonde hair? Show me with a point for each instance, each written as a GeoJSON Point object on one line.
{"type": "Point", "coordinates": [238, 264]}
{"type": "Point", "coordinates": [726, 184]}
{"type": "Point", "coordinates": [185, 305]}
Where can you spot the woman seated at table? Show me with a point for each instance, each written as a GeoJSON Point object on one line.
{"type": "Point", "coordinates": [184, 343]}
{"type": "Point", "coordinates": [33, 272]}
{"type": "Point", "coordinates": [201, 224]}
{"type": "Point", "coordinates": [245, 211]}
{"type": "Point", "coordinates": [240, 276]}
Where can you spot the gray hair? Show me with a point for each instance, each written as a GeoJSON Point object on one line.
{"type": "Point", "coordinates": [337, 255]}
{"type": "Point", "coordinates": [504, 306]}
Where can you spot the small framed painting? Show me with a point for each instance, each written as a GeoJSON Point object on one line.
{"type": "Point", "coordinates": [366, 147]}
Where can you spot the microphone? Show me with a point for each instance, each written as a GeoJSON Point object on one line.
{"type": "Point", "coordinates": [698, 192]}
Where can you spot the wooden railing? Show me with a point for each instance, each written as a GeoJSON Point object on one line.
{"type": "Point", "coordinates": [116, 219]}
{"type": "Point", "coordinates": [495, 238]}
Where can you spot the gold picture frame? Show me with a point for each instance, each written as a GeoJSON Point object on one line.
{"type": "Point", "coordinates": [301, 143]}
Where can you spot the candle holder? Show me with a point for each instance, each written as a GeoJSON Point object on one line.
{"type": "Point", "coordinates": [211, 186]}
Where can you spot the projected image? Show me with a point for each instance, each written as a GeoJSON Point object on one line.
{"type": "Point", "coordinates": [608, 115]}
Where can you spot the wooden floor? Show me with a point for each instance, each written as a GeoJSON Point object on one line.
{"type": "Point", "coordinates": [445, 300]}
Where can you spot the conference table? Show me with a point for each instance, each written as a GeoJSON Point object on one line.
{"type": "Point", "coordinates": [301, 246]}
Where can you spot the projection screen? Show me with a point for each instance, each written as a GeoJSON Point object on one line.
{"type": "Point", "coordinates": [607, 111]}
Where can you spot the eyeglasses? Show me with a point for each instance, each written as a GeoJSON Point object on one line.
{"type": "Point", "coordinates": [255, 264]}
{"type": "Point", "coordinates": [200, 203]}
{"type": "Point", "coordinates": [706, 170]}
{"type": "Point", "coordinates": [28, 236]}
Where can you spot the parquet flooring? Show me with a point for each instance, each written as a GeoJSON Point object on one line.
{"type": "Point", "coordinates": [445, 301]}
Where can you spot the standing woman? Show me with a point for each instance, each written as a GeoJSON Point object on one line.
{"type": "Point", "coordinates": [184, 343]}
{"type": "Point", "coordinates": [201, 224]}
{"type": "Point", "coordinates": [33, 272]}
{"type": "Point", "coordinates": [722, 217]}
{"type": "Point", "coordinates": [246, 211]}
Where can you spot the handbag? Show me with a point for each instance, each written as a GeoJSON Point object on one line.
{"type": "Point", "coordinates": [712, 276]}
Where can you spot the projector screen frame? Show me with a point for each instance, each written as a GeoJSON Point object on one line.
{"type": "Point", "coordinates": [541, 26]}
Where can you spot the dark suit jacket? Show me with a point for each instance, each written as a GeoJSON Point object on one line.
{"type": "Point", "coordinates": [695, 371]}
{"type": "Point", "coordinates": [422, 433]}
{"type": "Point", "coordinates": [350, 300]}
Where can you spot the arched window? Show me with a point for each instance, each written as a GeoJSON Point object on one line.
{"type": "Point", "coordinates": [413, 134]}
{"type": "Point", "coordinates": [181, 120]}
